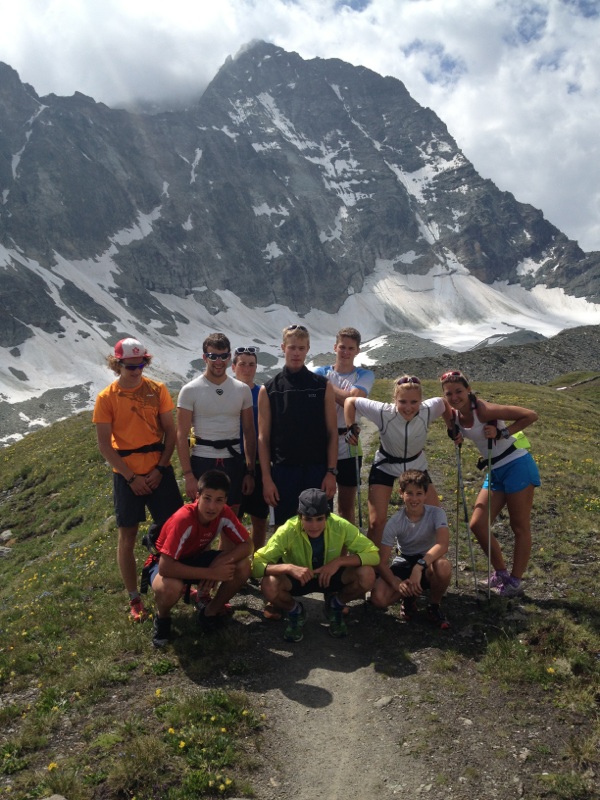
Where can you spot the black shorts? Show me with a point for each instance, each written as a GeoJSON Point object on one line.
{"type": "Point", "coordinates": [335, 584]}
{"type": "Point", "coordinates": [255, 504]}
{"type": "Point", "coordinates": [377, 477]}
{"type": "Point", "coordinates": [347, 471]}
{"type": "Point", "coordinates": [202, 559]}
{"type": "Point", "coordinates": [234, 467]}
{"type": "Point", "coordinates": [403, 566]}
{"type": "Point", "coordinates": [130, 508]}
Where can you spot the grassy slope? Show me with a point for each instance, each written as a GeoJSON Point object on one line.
{"type": "Point", "coordinates": [83, 690]}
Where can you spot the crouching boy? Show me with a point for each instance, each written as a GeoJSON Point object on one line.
{"type": "Point", "coordinates": [185, 556]}
{"type": "Point", "coordinates": [315, 551]}
{"type": "Point", "coordinates": [421, 534]}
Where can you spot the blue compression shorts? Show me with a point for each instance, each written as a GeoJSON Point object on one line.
{"type": "Point", "coordinates": [515, 476]}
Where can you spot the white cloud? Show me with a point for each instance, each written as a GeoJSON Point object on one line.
{"type": "Point", "coordinates": [516, 81]}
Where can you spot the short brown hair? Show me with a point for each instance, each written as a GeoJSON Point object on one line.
{"type": "Point", "coordinates": [350, 333]}
{"type": "Point", "coordinates": [416, 476]}
{"type": "Point", "coordinates": [217, 340]}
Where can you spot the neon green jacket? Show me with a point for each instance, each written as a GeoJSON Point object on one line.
{"type": "Point", "coordinates": [290, 545]}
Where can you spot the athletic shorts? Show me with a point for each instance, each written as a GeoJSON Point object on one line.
{"type": "Point", "coordinates": [290, 482]}
{"type": "Point", "coordinates": [377, 477]}
{"type": "Point", "coordinates": [335, 584]}
{"type": "Point", "coordinates": [202, 559]}
{"type": "Point", "coordinates": [255, 504]}
{"type": "Point", "coordinates": [234, 467]}
{"type": "Point", "coordinates": [130, 508]}
{"type": "Point", "coordinates": [347, 471]}
{"type": "Point", "coordinates": [515, 476]}
{"type": "Point", "coordinates": [402, 566]}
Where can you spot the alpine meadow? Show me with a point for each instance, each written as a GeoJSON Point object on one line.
{"type": "Point", "coordinates": [505, 704]}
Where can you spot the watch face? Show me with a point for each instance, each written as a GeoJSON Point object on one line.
{"type": "Point", "coordinates": [333, 470]}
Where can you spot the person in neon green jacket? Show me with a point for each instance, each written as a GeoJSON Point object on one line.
{"type": "Point", "coordinates": [315, 551]}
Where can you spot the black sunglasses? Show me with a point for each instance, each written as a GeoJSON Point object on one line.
{"type": "Point", "coordinates": [217, 356]}
{"type": "Point", "coordinates": [132, 367]}
{"type": "Point", "coordinates": [250, 350]}
{"type": "Point", "coordinates": [297, 327]}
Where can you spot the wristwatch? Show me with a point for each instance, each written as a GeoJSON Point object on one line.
{"type": "Point", "coordinates": [333, 470]}
{"type": "Point", "coordinates": [422, 563]}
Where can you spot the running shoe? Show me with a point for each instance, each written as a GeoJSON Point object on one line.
{"type": "Point", "coordinates": [437, 617]}
{"type": "Point", "coordinates": [295, 622]}
{"type": "Point", "coordinates": [137, 611]}
{"type": "Point", "coordinates": [408, 608]}
{"type": "Point", "coordinates": [337, 625]}
{"type": "Point", "coordinates": [161, 631]}
{"type": "Point", "coordinates": [498, 578]}
{"type": "Point", "coordinates": [202, 600]}
{"type": "Point", "coordinates": [327, 597]}
{"type": "Point", "coordinates": [512, 588]}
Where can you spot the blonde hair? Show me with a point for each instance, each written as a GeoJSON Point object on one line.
{"type": "Point", "coordinates": [295, 331]}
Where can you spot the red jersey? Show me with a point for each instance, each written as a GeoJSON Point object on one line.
{"type": "Point", "coordinates": [183, 535]}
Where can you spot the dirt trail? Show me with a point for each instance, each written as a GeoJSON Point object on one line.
{"type": "Point", "coordinates": [396, 709]}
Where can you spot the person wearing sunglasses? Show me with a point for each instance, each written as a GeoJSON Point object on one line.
{"type": "Point", "coordinates": [512, 473]}
{"type": "Point", "coordinates": [402, 427]}
{"type": "Point", "coordinates": [347, 381]}
{"type": "Point", "coordinates": [297, 429]}
{"type": "Point", "coordinates": [244, 366]}
{"type": "Point", "coordinates": [213, 404]}
{"type": "Point", "coordinates": [136, 436]}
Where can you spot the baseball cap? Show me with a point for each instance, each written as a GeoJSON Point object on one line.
{"type": "Point", "coordinates": [130, 348]}
{"type": "Point", "coordinates": [313, 503]}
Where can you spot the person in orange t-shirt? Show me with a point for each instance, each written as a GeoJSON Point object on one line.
{"type": "Point", "coordinates": [136, 435]}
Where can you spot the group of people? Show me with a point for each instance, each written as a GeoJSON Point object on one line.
{"type": "Point", "coordinates": [290, 445]}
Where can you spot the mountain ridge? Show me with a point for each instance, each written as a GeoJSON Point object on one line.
{"type": "Point", "coordinates": [291, 189]}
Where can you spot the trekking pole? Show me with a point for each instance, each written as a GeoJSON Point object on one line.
{"type": "Point", "coordinates": [489, 514]}
{"type": "Point", "coordinates": [358, 493]}
{"type": "Point", "coordinates": [466, 518]}
{"type": "Point", "coordinates": [456, 447]}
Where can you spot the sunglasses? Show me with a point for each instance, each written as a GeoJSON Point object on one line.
{"type": "Point", "coordinates": [132, 367]}
{"type": "Point", "coordinates": [402, 381]}
{"type": "Point", "coordinates": [217, 356]}
{"type": "Point", "coordinates": [454, 374]}
{"type": "Point", "coordinates": [297, 327]}
{"type": "Point", "coordinates": [252, 351]}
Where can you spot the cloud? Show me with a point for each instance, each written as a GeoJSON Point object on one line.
{"type": "Point", "coordinates": [516, 81]}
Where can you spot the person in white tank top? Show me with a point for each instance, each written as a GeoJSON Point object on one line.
{"type": "Point", "coordinates": [514, 474]}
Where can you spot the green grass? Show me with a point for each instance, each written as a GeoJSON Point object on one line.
{"type": "Point", "coordinates": [89, 710]}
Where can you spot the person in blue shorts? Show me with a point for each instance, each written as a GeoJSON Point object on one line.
{"type": "Point", "coordinates": [514, 474]}
{"type": "Point", "coordinates": [347, 381]}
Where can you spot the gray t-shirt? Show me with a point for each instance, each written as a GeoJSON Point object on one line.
{"type": "Point", "coordinates": [414, 538]}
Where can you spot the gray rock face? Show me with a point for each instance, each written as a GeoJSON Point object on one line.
{"type": "Point", "coordinates": [285, 183]}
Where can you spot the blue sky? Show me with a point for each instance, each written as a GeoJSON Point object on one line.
{"type": "Point", "coordinates": [517, 82]}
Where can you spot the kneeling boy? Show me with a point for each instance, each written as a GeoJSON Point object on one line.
{"type": "Point", "coordinates": [185, 556]}
{"type": "Point", "coordinates": [422, 536]}
{"type": "Point", "coordinates": [315, 551]}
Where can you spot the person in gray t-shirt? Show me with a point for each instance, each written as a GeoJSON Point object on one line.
{"type": "Point", "coordinates": [421, 535]}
